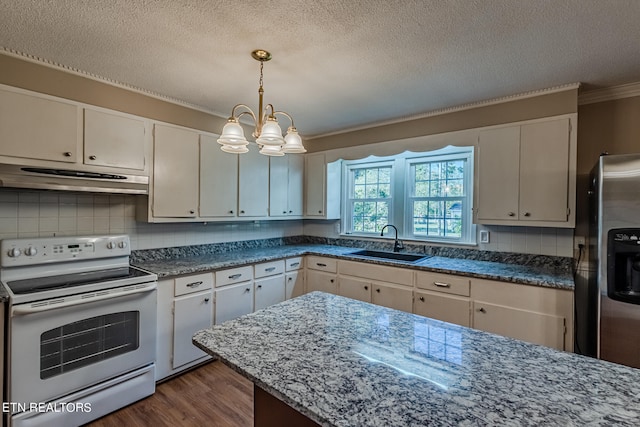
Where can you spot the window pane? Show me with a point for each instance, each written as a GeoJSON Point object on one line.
{"type": "Point", "coordinates": [384, 191]}
{"type": "Point", "coordinates": [421, 189]}
{"type": "Point", "coordinates": [384, 175]}
{"type": "Point", "coordinates": [372, 191]}
{"type": "Point", "coordinates": [371, 175]}
{"type": "Point", "coordinates": [359, 191]}
{"type": "Point", "coordinates": [358, 176]}
{"type": "Point", "coordinates": [455, 187]}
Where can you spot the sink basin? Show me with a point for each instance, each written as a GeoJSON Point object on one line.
{"type": "Point", "coordinates": [390, 255]}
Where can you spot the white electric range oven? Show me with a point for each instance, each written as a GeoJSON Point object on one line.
{"type": "Point", "coordinates": [81, 328]}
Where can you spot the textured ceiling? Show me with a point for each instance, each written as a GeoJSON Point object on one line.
{"type": "Point", "coordinates": [336, 64]}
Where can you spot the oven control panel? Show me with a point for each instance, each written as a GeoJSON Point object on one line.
{"type": "Point", "coordinates": [43, 250]}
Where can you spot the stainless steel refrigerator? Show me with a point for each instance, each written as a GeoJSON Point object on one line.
{"type": "Point", "coordinates": [613, 302]}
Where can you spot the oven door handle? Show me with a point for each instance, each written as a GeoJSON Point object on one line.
{"type": "Point", "coordinates": [30, 309]}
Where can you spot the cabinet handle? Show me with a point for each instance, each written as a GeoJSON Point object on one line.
{"type": "Point", "coordinates": [319, 264]}
{"type": "Point", "coordinates": [294, 264]}
{"type": "Point", "coordinates": [421, 299]}
{"type": "Point", "coordinates": [230, 212]}
{"type": "Point", "coordinates": [194, 284]}
{"type": "Point", "coordinates": [290, 211]}
{"type": "Point", "coordinates": [247, 290]}
{"type": "Point", "coordinates": [290, 279]}
{"type": "Point", "coordinates": [235, 276]}
{"type": "Point", "coordinates": [482, 310]}
{"type": "Point", "coordinates": [527, 214]}
{"type": "Point", "coordinates": [512, 214]}
{"type": "Point", "coordinates": [67, 154]}
{"type": "Point", "coordinates": [192, 211]}
{"type": "Point", "coordinates": [259, 286]}
{"type": "Point", "coordinates": [331, 280]}
{"type": "Point", "coordinates": [366, 288]}
{"type": "Point", "coordinates": [206, 300]}
{"type": "Point", "coordinates": [92, 157]}
{"type": "Point", "coordinates": [269, 269]}
{"type": "Point", "coordinates": [241, 212]}
{"type": "Point", "coordinates": [442, 285]}
{"type": "Point", "coordinates": [378, 290]}
{"type": "Point", "coordinates": [284, 212]}
{"type": "Point", "coordinates": [319, 212]}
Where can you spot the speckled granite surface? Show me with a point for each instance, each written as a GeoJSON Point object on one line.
{"type": "Point", "coordinates": [342, 362]}
{"type": "Point", "coordinates": [193, 259]}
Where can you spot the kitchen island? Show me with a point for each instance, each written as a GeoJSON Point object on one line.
{"type": "Point", "coordinates": [339, 362]}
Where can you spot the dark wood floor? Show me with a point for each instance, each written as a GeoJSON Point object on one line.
{"type": "Point", "coordinates": [211, 395]}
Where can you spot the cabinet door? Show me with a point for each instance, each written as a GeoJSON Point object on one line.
{"type": "Point", "coordinates": [315, 178]}
{"type": "Point", "coordinates": [537, 328]}
{"type": "Point", "coordinates": [321, 281]}
{"type": "Point", "coordinates": [296, 184]}
{"type": "Point", "coordinates": [279, 186]}
{"type": "Point", "coordinates": [175, 172]}
{"type": "Point", "coordinates": [443, 307]}
{"type": "Point", "coordinates": [544, 171]}
{"type": "Point", "coordinates": [233, 301]}
{"type": "Point", "coordinates": [397, 297]}
{"type": "Point", "coordinates": [39, 128]}
{"type": "Point", "coordinates": [351, 287]}
{"type": "Point", "coordinates": [113, 140]}
{"type": "Point", "coordinates": [294, 284]}
{"type": "Point", "coordinates": [191, 313]}
{"type": "Point", "coordinates": [218, 180]}
{"type": "Point", "coordinates": [269, 291]}
{"type": "Point", "coordinates": [498, 171]}
{"type": "Point", "coordinates": [253, 184]}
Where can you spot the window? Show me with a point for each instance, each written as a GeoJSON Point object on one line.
{"type": "Point", "coordinates": [369, 197]}
{"type": "Point", "coordinates": [427, 196]}
{"type": "Point", "coordinates": [438, 199]}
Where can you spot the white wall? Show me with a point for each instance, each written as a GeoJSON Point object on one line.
{"type": "Point", "coordinates": [26, 213]}
{"type": "Point", "coordinates": [528, 240]}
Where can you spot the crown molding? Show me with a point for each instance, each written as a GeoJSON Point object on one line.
{"type": "Point", "coordinates": [609, 93]}
{"type": "Point", "coordinates": [51, 64]}
{"type": "Point", "coordinates": [448, 110]}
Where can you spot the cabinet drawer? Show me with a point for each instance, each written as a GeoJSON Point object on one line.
{"type": "Point", "coordinates": [294, 263]}
{"type": "Point", "coordinates": [195, 283]}
{"type": "Point", "coordinates": [268, 268]}
{"type": "Point", "coordinates": [446, 283]}
{"type": "Point", "coordinates": [322, 264]}
{"type": "Point", "coordinates": [234, 275]}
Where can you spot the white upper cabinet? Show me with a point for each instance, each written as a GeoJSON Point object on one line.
{"type": "Point", "coordinates": [253, 184]}
{"type": "Point", "coordinates": [218, 180]}
{"type": "Point", "coordinates": [321, 188]}
{"type": "Point", "coordinates": [114, 140]}
{"type": "Point", "coordinates": [175, 172]}
{"type": "Point", "coordinates": [285, 185]}
{"type": "Point", "coordinates": [39, 128]}
{"type": "Point", "coordinates": [525, 174]}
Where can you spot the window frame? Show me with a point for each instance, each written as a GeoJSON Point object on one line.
{"type": "Point", "coordinates": [467, 235]}
{"type": "Point", "coordinates": [400, 214]}
{"type": "Point", "coordinates": [348, 190]}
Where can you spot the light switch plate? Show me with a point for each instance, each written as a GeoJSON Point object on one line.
{"type": "Point", "coordinates": [484, 236]}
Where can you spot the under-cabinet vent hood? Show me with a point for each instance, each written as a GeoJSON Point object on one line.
{"type": "Point", "coordinates": [41, 178]}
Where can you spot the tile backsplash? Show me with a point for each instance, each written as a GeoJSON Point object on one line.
{"type": "Point", "coordinates": [26, 213]}
{"type": "Point", "coordinates": [50, 213]}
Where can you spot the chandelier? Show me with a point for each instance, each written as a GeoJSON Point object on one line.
{"type": "Point", "coordinates": [267, 131]}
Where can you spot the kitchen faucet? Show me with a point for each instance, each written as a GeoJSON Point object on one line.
{"type": "Point", "coordinates": [397, 245]}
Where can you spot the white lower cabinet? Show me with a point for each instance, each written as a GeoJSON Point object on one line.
{"type": "Point", "coordinates": [447, 308]}
{"type": "Point", "coordinates": [269, 285]}
{"type": "Point", "coordinates": [354, 288]}
{"type": "Point", "coordinates": [392, 296]}
{"type": "Point", "coordinates": [294, 277]}
{"type": "Point", "coordinates": [185, 306]}
{"type": "Point", "coordinates": [191, 313]}
{"type": "Point", "coordinates": [233, 301]}
{"type": "Point", "coordinates": [321, 281]}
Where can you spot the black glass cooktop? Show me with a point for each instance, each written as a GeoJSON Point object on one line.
{"type": "Point", "coordinates": [40, 284]}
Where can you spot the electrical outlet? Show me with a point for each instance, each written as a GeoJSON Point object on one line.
{"type": "Point", "coordinates": [484, 236]}
{"type": "Point", "coordinates": [578, 241]}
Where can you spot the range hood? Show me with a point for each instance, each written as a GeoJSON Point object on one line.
{"type": "Point", "coordinates": [41, 178]}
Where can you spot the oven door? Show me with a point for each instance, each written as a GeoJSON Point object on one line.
{"type": "Point", "coordinates": [64, 345]}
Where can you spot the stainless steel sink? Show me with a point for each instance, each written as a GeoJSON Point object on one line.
{"type": "Point", "coordinates": [390, 255]}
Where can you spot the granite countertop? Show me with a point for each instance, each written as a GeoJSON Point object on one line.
{"type": "Point", "coordinates": [194, 263]}
{"type": "Point", "coordinates": [342, 362]}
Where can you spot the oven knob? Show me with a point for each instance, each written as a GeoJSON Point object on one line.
{"type": "Point", "coordinates": [122, 245]}
{"type": "Point", "coordinates": [31, 251]}
{"type": "Point", "coordinates": [111, 245]}
{"type": "Point", "coordinates": [15, 252]}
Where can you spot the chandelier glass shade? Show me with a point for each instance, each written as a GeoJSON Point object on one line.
{"type": "Point", "coordinates": [267, 131]}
